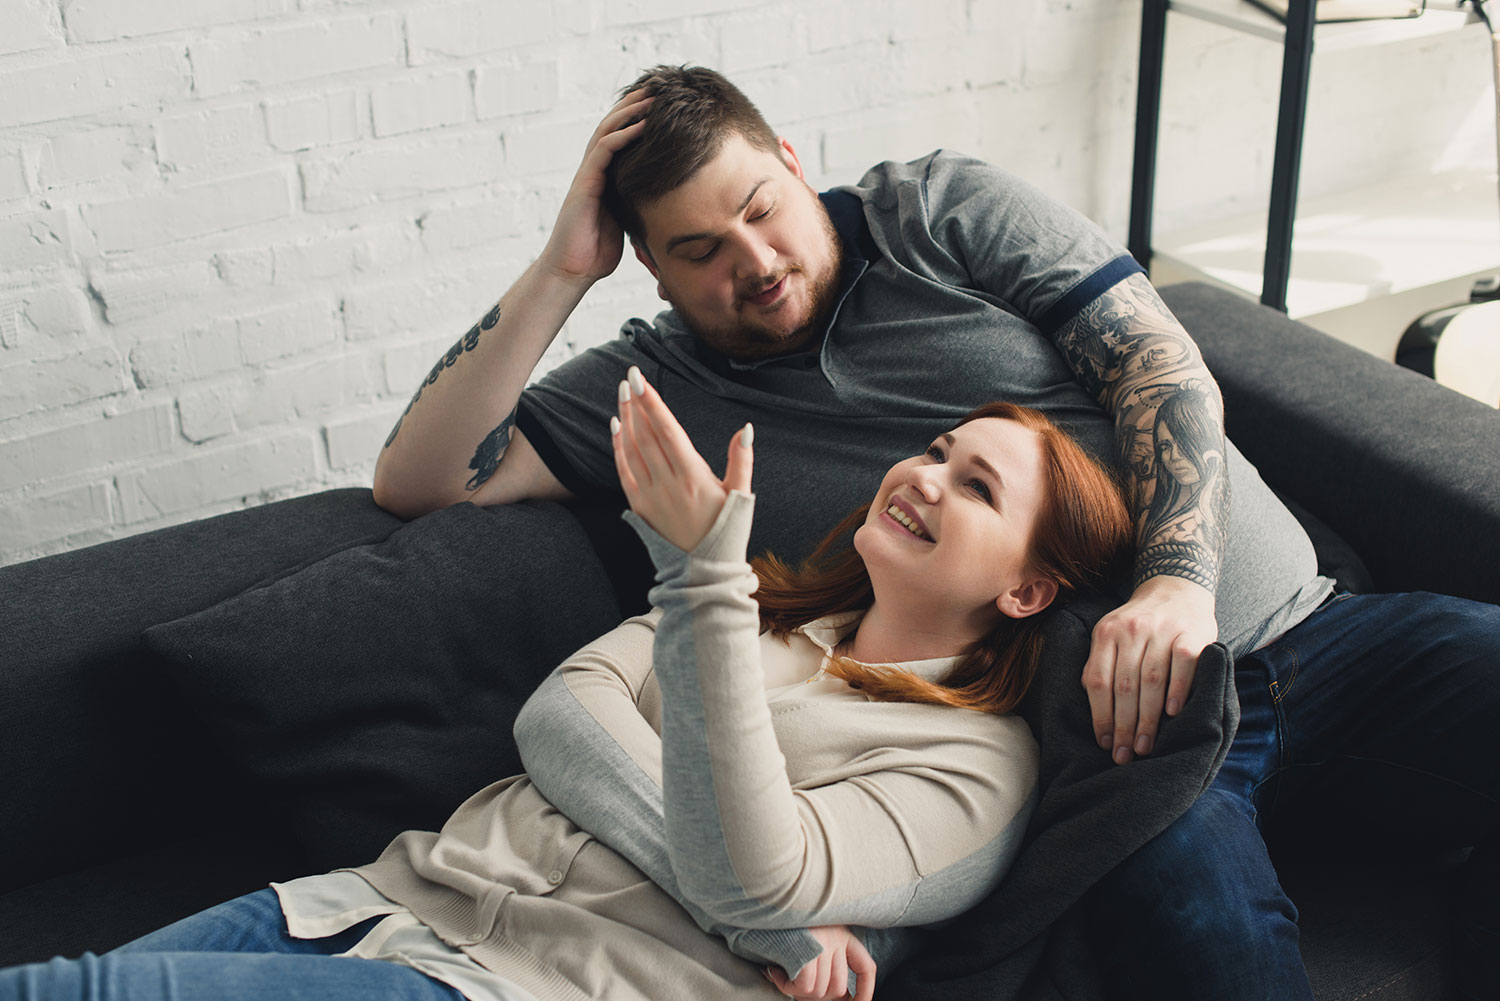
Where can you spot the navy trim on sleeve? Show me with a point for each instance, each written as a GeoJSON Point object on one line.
{"type": "Point", "coordinates": [552, 456]}
{"type": "Point", "coordinates": [1086, 291]}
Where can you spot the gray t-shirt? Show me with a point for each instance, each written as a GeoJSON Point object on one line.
{"type": "Point", "coordinates": [957, 274]}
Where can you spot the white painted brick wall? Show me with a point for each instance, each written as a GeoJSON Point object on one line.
{"type": "Point", "coordinates": [206, 209]}
{"type": "Point", "coordinates": [34, 240]}
{"type": "Point", "coordinates": [203, 138]}
{"type": "Point", "coordinates": [313, 120]}
{"type": "Point", "coordinates": [420, 103]}
{"type": "Point", "coordinates": [29, 26]}
{"type": "Point", "coordinates": [87, 446]}
{"type": "Point", "coordinates": [13, 182]}
{"type": "Point", "coordinates": [235, 234]}
{"type": "Point", "coordinates": [383, 172]}
{"type": "Point", "coordinates": [516, 90]}
{"type": "Point", "coordinates": [138, 294]}
{"type": "Point", "coordinates": [118, 154]}
{"type": "Point", "coordinates": [31, 387]}
{"type": "Point", "coordinates": [102, 20]}
{"type": "Point", "coordinates": [442, 32]}
{"type": "Point", "coordinates": [72, 86]}
{"type": "Point", "coordinates": [186, 485]}
{"type": "Point", "coordinates": [239, 59]}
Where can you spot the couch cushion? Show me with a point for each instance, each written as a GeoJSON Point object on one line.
{"type": "Point", "coordinates": [97, 755]}
{"type": "Point", "coordinates": [375, 689]}
{"type": "Point", "coordinates": [98, 908]}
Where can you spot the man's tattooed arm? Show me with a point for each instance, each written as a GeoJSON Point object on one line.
{"type": "Point", "coordinates": [487, 457]}
{"type": "Point", "coordinates": [463, 345]}
{"type": "Point", "coordinates": [1131, 354]}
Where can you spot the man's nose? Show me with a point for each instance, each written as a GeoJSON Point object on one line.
{"type": "Point", "coordinates": [756, 258]}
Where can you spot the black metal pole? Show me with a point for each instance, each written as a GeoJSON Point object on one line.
{"type": "Point", "coordinates": [1296, 69]}
{"type": "Point", "coordinates": [1147, 120]}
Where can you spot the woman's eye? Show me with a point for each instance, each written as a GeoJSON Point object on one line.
{"type": "Point", "coordinates": [980, 488]}
{"type": "Point", "coordinates": [935, 453]}
{"type": "Point", "coordinates": [760, 216]}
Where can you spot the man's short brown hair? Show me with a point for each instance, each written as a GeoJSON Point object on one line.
{"type": "Point", "coordinates": [696, 110]}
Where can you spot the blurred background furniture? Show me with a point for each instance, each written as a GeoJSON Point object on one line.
{"type": "Point", "coordinates": [1390, 249]}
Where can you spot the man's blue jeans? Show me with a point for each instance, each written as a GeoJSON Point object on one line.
{"type": "Point", "coordinates": [238, 951]}
{"type": "Point", "coordinates": [1369, 726]}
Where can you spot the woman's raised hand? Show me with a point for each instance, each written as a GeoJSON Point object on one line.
{"type": "Point", "coordinates": [827, 977]}
{"type": "Point", "coordinates": [668, 484]}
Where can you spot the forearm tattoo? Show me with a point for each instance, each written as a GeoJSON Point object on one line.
{"type": "Point", "coordinates": [1130, 354]}
{"type": "Point", "coordinates": [487, 457]}
{"type": "Point", "coordinates": [462, 346]}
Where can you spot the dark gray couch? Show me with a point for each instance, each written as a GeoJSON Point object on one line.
{"type": "Point", "coordinates": [149, 765]}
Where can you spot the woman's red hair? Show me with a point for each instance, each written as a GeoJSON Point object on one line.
{"type": "Point", "coordinates": [1081, 529]}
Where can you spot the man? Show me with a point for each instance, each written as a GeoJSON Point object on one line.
{"type": "Point", "coordinates": [854, 326]}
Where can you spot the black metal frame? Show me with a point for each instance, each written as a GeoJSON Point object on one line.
{"type": "Point", "coordinates": [1296, 69]}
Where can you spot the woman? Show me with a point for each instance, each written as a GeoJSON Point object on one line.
{"type": "Point", "coordinates": [720, 786]}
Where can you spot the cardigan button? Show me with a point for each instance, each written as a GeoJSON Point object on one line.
{"type": "Point", "coordinates": [555, 876]}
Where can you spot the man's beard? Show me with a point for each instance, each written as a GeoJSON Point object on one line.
{"type": "Point", "coordinates": [750, 342]}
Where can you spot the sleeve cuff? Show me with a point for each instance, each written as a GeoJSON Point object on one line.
{"type": "Point", "coordinates": [727, 539]}
{"type": "Point", "coordinates": [1076, 298]}
{"type": "Point", "coordinates": [552, 456]}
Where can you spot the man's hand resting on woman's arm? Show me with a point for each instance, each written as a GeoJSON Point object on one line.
{"type": "Point", "coordinates": [666, 481]}
{"type": "Point", "coordinates": [1142, 661]}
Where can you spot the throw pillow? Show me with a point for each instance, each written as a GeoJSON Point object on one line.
{"type": "Point", "coordinates": [372, 691]}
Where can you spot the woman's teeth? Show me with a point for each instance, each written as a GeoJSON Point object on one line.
{"type": "Point", "coordinates": [906, 522]}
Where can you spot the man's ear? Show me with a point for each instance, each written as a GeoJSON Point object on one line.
{"type": "Point", "coordinates": [789, 157]}
{"type": "Point", "coordinates": [644, 256]}
{"type": "Point", "coordinates": [1027, 598]}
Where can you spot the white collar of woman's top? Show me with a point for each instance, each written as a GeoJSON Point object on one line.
{"type": "Point", "coordinates": [827, 632]}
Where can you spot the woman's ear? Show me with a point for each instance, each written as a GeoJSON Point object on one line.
{"type": "Point", "coordinates": [1027, 598]}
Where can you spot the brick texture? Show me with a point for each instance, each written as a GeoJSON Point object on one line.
{"type": "Point", "coordinates": [29, 26]}
{"type": "Point", "coordinates": [199, 210]}
{"type": "Point", "coordinates": [68, 88]}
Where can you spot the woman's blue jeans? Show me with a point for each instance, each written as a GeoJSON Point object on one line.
{"type": "Point", "coordinates": [1371, 726]}
{"type": "Point", "coordinates": [238, 951]}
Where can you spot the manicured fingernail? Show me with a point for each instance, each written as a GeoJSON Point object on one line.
{"type": "Point", "coordinates": [637, 381]}
{"type": "Point", "coordinates": [747, 436]}
{"type": "Point", "coordinates": [614, 425]}
{"type": "Point", "coordinates": [1174, 706]}
{"type": "Point", "coordinates": [1122, 754]}
{"type": "Point", "coordinates": [1143, 744]}
{"type": "Point", "coordinates": [624, 391]}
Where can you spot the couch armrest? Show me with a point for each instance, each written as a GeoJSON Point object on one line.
{"type": "Point", "coordinates": [1404, 469]}
{"type": "Point", "coordinates": [97, 758]}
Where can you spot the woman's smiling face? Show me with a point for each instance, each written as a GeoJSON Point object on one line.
{"type": "Point", "coordinates": [950, 530]}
